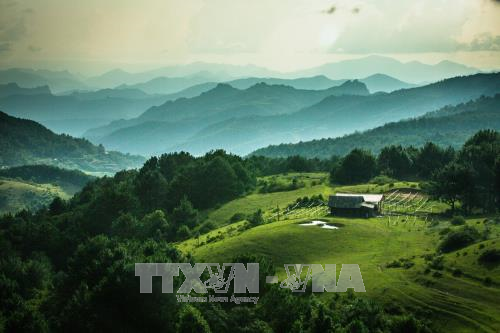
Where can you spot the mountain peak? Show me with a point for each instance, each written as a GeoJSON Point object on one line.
{"type": "Point", "coordinates": [224, 87]}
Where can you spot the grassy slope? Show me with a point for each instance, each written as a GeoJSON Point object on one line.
{"type": "Point", "coordinates": [316, 183]}
{"type": "Point", "coordinates": [455, 303]}
{"type": "Point", "coordinates": [16, 195]}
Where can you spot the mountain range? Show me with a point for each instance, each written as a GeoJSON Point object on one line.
{"type": "Point", "coordinates": [76, 112]}
{"type": "Point", "coordinates": [171, 79]}
{"type": "Point", "coordinates": [374, 83]}
{"type": "Point", "coordinates": [221, 118]}
{"type": "Point", "coordinates": [413, 71]}
{"type": "Point", "coordinates": [448, 126]}
{"type": "Point", "coordinates": [58, 81]}
{"type": "Point", "coordinates": [165, 126]}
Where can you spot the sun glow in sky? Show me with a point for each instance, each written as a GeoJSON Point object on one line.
{"type": "Point", "coordinates": [92, 36]}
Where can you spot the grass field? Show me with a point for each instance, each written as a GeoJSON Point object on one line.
{"type": "Point", "coordinates": [16, 195]}
{"type": "Point", "coordinates": [454, 302]}
{"type": "Point", "coordinates": [315, 184]}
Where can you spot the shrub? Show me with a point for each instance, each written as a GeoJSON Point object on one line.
{"type": "Point", "coordinates": [457, 272]}
{"type": "Point", "coordinates": [382, 180]}
{"type": "Point", "coordinates": [402, 262]}
{"type": "Point", "coordinates": [237, 217]}
{"type": "Point", "coordinates": [437, 274]}
{"type": "Point", "coordinates": [394, 264]}
{"type": "Point", "coordinates": [457, 220]}
{"type": "Point", "coordinates": [488, 281]}
{"type": "Point", "coordinates": [459, 239]}
{"type": "Point", "coordinates": [444, 231]}
{"type": "Point", "coordinates": [490, 257]}
{"type": "Point", "coordinates": [207, 226]}
{"type": "Point", "coordinates": [408, 264]}
{"type": "Point", "coordinates": [257, 218]}
{"type": "Point", "coordinates": [437, 263]}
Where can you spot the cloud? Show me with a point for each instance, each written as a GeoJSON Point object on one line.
{"type": "Point", "coordinates": [4, 47]}
{"type": "Point", "coordinates": [482, 42]}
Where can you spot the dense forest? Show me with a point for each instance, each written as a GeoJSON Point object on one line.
{"type": "Point", "coordinates": [70, 266]}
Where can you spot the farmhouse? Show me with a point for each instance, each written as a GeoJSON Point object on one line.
{"type": "Point", "coordinates": [364, 205]}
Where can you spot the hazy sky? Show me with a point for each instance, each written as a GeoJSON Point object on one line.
{"type": "Point", "coordinates": [95, 35]}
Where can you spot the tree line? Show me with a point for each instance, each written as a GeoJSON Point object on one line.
{"type": "Point", "coordinates": [469, 176]}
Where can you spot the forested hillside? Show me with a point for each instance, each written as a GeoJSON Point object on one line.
{"type": "Point", "coordinates": [27, 142]}
{"type": "Point", "coordinates": [449, 126]}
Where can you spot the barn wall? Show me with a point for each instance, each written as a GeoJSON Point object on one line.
{"type": "Point", "coordinates": [353, 212]}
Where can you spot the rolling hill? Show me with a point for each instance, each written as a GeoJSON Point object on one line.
{"type": "Point", "coordinates": [27, 142]}
{"type": "Point", "coordinates": [452, 295]}
{"type": "Point", "coordinates": [449, 126]}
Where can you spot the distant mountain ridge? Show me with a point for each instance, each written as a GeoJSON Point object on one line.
{"type": "Point", "coordinates": [262, 98]}
{"type": "Point", "coordinates": [449, 126]}
{"type": "Point", "coordinates": [413, 71]}
{"type": "Point", "coordinates": [374, 83]}
{"type": "Point", "coordinates": [10, 89]}
{"type": "Point", "coordinates": [175, 121]}
{"type": "Point", "coordinates": [221, 118]}
{"type": "Point", "coordinates": [339, 115]}
{"type": "Point", "coordinates": [58, 81]}
{"type": "Point", "coordinates": [62, 81]}
{"type": "Point", "coordinates": [168, 85]}
{"type": "Point", "coordinates": [77, 112]}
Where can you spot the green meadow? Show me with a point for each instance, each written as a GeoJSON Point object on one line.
{"type": "Point", "coordinates": [398, 257]}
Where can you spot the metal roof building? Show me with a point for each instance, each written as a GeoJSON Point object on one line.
{"type": "Point", "coordinates": [365, 205]}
